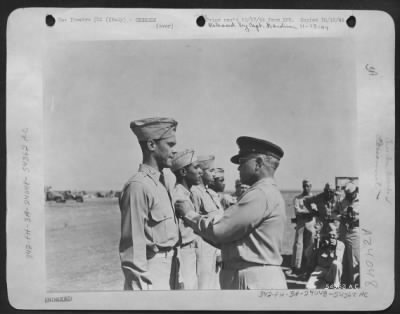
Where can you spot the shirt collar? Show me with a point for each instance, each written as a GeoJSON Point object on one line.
{"type": "Point", "coordinates": [183, 189]}
{"type": "Point", "coordinates": [269, 181]}
{"type": "Point", "coordinates": [151, 172]}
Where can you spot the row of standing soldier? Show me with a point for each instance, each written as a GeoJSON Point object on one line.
{"type": "Point", "coordinates": [178, 236]}
{"type": "Point", "coordinates": [326, 249]}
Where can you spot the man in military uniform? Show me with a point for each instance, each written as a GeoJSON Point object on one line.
{"type": "Point", "coordinates": [188, 173]}
{"type": "Point", "coordinates": [250, 233]}
{"type": "Point", "coordinates": [348, 212]}
{"type": "Point", "coordinates": [206, 203]}
{"type": "Point", "coordinates": [149, 227]}
{"type": "Point", "coordinates": [218, 186]}
{"type": "Point", "coordinates": [305, 221]}
{"type": "Point", "coordinates": [240, 188]}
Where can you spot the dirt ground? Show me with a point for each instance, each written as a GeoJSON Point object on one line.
{"type": "Point", "coordinates": [82, 245]}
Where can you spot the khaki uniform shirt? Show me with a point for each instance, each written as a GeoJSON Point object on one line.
{"type": "Point", "coordinates": [226, 200]}
{"type": "Point", "coordinates": [250, 231]}
{"type": "Point", "coordinates": [148, 221]}
{"type": "Point", "coordinates": [299, 208]}
{"type": "Point", "coordinates": [204, 202]}
{"type": "Point", "coordinates": [181, 193]}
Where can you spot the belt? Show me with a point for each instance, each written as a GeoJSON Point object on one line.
{"type": "Point", "coordinates": [191, 244]}
{"type": "Point", "coordinates": [243, 265]}
{"type": "Point", "coordinates": [166, 251]}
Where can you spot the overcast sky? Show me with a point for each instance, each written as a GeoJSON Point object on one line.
{"type": "Point", "coordinates": [297, 93]}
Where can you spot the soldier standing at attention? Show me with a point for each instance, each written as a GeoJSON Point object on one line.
{"type": "Point", "coordinates": [206, 204]}
{"type": "Point", "coordinates": [188, 173]}
{"type": "Point", "coordinates": [304, 229]}
{"type": "Point", "coordinates": [349, 211]}
{"type": "Point", "coordinates": [149, 227]}
{"type": "Point", "coordinates": [250, 233]}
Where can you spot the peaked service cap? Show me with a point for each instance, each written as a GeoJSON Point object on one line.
{"type": "Point", "coordinates": [251, 145]}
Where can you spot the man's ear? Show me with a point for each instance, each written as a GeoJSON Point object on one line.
{"type": "Point", "coordinates": [259, 163]}
{"type": "Point", "coordinates": [182, 172]}
{"type": "Point", "coordinates": [151, 145]}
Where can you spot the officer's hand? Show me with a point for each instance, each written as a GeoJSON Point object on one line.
{"type": "Point", "coordinates": [182, 207]}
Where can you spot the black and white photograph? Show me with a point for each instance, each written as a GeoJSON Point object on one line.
{"type": "Point", "coordinates": [205, 164]}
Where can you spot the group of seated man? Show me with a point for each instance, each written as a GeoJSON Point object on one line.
{"type": "Point", "coordinates": [326, 250]}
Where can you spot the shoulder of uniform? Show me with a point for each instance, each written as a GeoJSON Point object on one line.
{"type": "Point", "coordinates": [137, 179]}
{"type": "Point", "coordinates": [299, 196]}
{"type": "Point", "coordinates": [177, 189]}
{"type": "Point", "coordinates": [195, 190]}
{"type": "Point", "coordinates": [254, 192]}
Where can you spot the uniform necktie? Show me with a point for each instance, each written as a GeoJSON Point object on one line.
{"type": "Point", "coordinates": [213, 199]}
{"type": "Point", "coordinates": [162, 181]}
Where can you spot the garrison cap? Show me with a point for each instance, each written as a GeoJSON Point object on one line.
{"type": "Point", "coordinates": [219, 173]}
{"type": "Point", "coordinates": [206, 161]}
{"type": "Point", "coordinates": [251, 145]}
{"type": "Point", "coordinates": [183, 159]}
{"type": "Point", "coordinates": [153, 128]}
{"type": "Point", "coordinates": [350, 188]}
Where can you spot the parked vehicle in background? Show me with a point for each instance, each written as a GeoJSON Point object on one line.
{"type": "Point", "coordinates": [68, 195]}
{"type": "Point", "coordinates": [55, 196]}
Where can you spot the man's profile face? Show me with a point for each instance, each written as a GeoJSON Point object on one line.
{"type": "Point", "coordinates": [307, 188]}
{"type": "Point", "coordinates": [193, 174]}
{"type": "Point", "coordinates": [246, 169]}
{"type": "Point", "coordinates": [208, 176]}
{"type": "Point", "coordinates": [164, 151]}
{"type": "Point", "coordinates": [219, 184]}
{"type": "Point", "coordinates": [243, 188]}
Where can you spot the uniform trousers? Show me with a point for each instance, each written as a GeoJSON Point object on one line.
{"type": "Point", "coordinates": [163, 272]}
{"type": "Point", "coordinates": [352, 256]}
{"type": "Point", "coordinates": [305, 232]}
{"type": "Point", "coordinates": [188, 266]}
{"type": "Point", "coordinates": [207, 274]}
{"type": "Point", "coordinates": [253, 277]}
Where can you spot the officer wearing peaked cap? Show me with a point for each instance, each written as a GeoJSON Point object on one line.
{"type": "Point", "coordinates": [149, 228]}
{"type": "Point", "coordinates": [187, 172]}
{"type": "Point", "coordinates": [250, 232]}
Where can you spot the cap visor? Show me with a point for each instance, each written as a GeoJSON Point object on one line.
{"type": "Point", "coordinates": [235, 159]}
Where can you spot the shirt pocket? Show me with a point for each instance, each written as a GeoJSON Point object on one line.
{"type": "Point", "coordinates": [162, 223]}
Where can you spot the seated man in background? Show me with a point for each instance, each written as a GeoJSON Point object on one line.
{"type": "Point", "coordinates": [328, 262]}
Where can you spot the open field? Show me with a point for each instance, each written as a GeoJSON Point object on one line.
{"type": "Point", "coordinates": [82, 244]}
